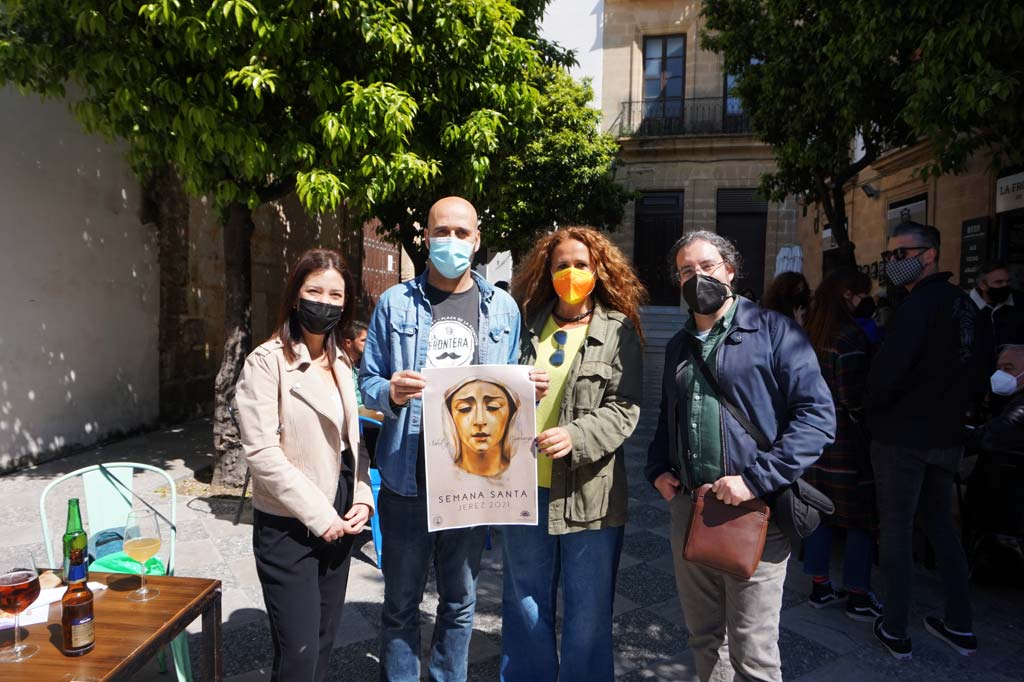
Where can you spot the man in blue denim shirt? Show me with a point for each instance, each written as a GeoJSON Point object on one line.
{"type": "Point", "coordinates": [448, 316]}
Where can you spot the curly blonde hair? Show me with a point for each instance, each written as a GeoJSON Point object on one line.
{"type": "Point", "coordinates": [618, 287]}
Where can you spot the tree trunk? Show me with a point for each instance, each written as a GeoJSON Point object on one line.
{"type": "Point", "coordinates": [417, 253]}
{"type": "Point", "coordinates": [835, 211]}
{"type": "Point", "coordinates": [238, 228]}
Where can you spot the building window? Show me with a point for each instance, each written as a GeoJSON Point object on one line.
{"type": "Point", "coordinates": [664, 67]}
{"type": "Point", "coordinates": [733, 105]}
{"type": "Point", "coordinates": [914, 208]}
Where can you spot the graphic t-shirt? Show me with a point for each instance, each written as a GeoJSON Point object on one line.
{"type": "Point", "coordinates": [453, 338]}
{"type": "Point", "coordinates": [455, 327]}
{"type": "Point", "coordinates": [548, 409]}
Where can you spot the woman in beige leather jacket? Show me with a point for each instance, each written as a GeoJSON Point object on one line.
{"type": "Point", "coordinates": [311, 491]}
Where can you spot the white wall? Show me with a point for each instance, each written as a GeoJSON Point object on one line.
{"type": "Point", "coordinates": [79, 287]}
{"type": "Point", "coordinates": [578, 25]}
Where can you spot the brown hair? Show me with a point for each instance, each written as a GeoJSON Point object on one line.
{"type": "Point", "coordinates": [829, 313]}
{"type": "Point", "coordinates": [617, 288]}
{"type": "Point", "coordinates": [786, 293]}
{"type": "Point", "coordinates": [288, 328]}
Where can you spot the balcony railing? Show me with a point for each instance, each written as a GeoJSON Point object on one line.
{"type": "Point", "coordinates": [678, 116]}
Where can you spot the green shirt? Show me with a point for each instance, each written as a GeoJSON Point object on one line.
{"type": "Point", "coordinates": [704, 411]}
{"type": "Point", "coordinates": [548, 409]}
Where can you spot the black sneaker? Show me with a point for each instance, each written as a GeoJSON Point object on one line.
{"type": "Point", "coordinates": [964, 643]}
{"type": "Point", "coordinates": [863, 606]}
{"type": "Point", "coordinates": [899, 647]}
{"type": "Point", "coordinates": [823, 594]}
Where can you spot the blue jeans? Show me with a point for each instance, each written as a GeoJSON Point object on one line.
{"type": "Point", "coordinates": [585, 563]}
{"type": "Point", "coordinates": [408, 550]}
{"type": "Point", "coordinates": [856, 558]}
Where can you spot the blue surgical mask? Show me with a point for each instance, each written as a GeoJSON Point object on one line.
{"type": "Point", "coordinates": [450, 255]}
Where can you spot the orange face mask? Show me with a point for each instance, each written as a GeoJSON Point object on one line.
{"type": "Point", "coordinates": [573, 285]}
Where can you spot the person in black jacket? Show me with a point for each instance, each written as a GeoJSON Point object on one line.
{"type": "Point", "coordinates": [918, 392]}
{"type": "Point", "coordinates": [1000, 323]}
{"type": "Point", "coordinates": [994, 505]}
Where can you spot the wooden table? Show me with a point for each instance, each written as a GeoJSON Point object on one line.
{"type": "Point", "coordinates": [128, 634]}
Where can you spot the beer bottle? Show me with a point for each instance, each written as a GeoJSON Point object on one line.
{"type": "Point", "coordinates": [76, 608]}
{"type": "Point", "coordinates": [74, 537]}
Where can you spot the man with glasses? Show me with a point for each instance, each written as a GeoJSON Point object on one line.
{"type": "Point", "coordinates": [918, 391]}
{"type": "Point", "coordinates": [765, 367]}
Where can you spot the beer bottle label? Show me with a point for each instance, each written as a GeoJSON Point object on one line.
{"type": "Point", "coordinates": [77, 573]}
{"type": "Point", "coordinates": [82, 632]}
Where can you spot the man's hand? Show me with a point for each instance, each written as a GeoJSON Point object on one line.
{"type": "Point", "coordinates": [405, 385]}
{"type": "Point", "coordinates": [668, 485]}
{"type": "Point", "coordinates": [731, 490]}
{"type": "Point", "coordinates": [355, 519]}
{"type": "Point", "coordinates": [555, 443]}
{"type": "Point", "coordinates": [541, 381]}
{"type": "Point", "coordinates": [336, 530]}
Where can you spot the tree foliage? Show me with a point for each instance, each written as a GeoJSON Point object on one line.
{"type": "Point", "coordinates": [353, 102]}
{"type": "Point", "coordinates": [815, 75]}
{"type": "Point", "coordinates": [966, 85]}
{"type": "Point", "coordinates": [559, 170]}
{"type": "Point", "coordinates": [811, 90]}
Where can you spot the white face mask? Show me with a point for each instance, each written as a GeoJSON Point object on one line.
{"type": "Point", "coordinates": [1004, 383]}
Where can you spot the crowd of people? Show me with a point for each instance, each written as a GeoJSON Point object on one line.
{"type": "Point", "coordinates": [802, 393]}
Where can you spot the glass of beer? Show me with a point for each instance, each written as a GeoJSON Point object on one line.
{"type": "Point", "coordinates": [141, 543]}
{"type": "Point", "coordinates": [19, 587]}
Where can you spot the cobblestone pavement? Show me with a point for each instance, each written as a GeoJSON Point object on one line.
{"type": "Point", "coordinates": [817, 645]}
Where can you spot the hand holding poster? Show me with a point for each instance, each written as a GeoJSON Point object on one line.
{"type": "Point", "coordinates": [479, 424]}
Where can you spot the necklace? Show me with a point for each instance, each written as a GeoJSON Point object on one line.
{"type": "Point", "coordinates": [570, 320]}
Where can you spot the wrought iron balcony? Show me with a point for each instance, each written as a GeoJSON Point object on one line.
{"type": "Point", "coordinates": [679, 116]}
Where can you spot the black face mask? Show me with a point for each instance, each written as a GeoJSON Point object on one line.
{"type": "Point", "coordinates": [705, 295]}
{"type": "Point", "coordinates": [866, 308]}
{"type": "Point", "coordinates": [998, 294]}
{"type": "Point", "coordinates": [318, 318]}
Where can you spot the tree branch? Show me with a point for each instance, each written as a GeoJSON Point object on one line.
{"type": "Point", "coordinates": [277, 190]}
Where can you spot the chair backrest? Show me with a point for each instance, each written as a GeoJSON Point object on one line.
{"type": "Point", "coordinates": [370, 421]}
{"type": "Point", "coordinates": [109, 498]}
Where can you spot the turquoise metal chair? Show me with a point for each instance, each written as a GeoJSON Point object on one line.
{"type": "Point", "coordinates": [378, 541]}
{"type": "Point", "coordinates": [108, 499]}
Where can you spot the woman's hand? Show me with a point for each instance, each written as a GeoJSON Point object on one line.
{"type": "Point", "coordinates": [668, 485]}
{"type": "Point", "coordinates": [336, 530]}
{"type": "Point", "coordinates": [541, 381]}
{"type": "Point", "coordinates": [555, 443]}
{"type": "Point", "coordinates": [356, 518]}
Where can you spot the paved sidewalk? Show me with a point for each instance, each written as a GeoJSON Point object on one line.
{"type": "Point", "coordinates": [650, 635]}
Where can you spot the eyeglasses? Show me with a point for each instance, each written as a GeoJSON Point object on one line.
{"type": "Point", "coordinates": [558, 357]}
{"type": "Point", "coordinates": [901, 252]}
{"type": "Point", "coordinates": [686, 272]}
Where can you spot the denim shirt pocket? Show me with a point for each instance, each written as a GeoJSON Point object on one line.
{"type": "Point", "coordinates": [403, 340]}
{"type": "Point", "coordinates": [499, 334]}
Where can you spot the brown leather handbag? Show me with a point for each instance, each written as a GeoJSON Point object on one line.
{"type": "Point", "coordinates": [724, 537]}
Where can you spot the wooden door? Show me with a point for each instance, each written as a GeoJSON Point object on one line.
{"type": "Point", "coordinates": [659, 224]}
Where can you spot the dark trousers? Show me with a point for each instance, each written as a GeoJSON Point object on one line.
{"type": "Point", "coordinates": [304, 580]}
{"type": "Point", "coordinates": [908, 481]}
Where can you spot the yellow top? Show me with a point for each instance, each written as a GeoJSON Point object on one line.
{"type": "Point", "coordinates": [549, 408]}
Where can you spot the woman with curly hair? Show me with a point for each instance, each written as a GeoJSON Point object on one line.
{"type": "Point", "coordinates": [581, 301]}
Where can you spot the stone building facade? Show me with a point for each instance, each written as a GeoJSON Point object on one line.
{"type": "Point", "coordinates": [962, 207]}
{"type": "Point", "coordinates": [687, 148]}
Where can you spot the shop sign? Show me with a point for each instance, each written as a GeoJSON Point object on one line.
{"type": "Point", "coordinates": [1010, 193]}
{"type": "Point", "coordinates": [973, 249]}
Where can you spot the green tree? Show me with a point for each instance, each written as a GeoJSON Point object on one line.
{"type": "Point", "coordinates": [348, 103]}
{"type": "Point", "coordinates": [966, 83]}
{"type": "Point", "coordinates": [811, 90]}
{"type": "Point", "coordinates": [558, 170]}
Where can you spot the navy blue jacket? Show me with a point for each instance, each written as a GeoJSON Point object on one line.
{"type": "Point", "coordinates": [767, 367]}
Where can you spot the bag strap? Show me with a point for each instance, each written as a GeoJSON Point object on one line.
{"type": "Point", "coordinates": [698, 358]}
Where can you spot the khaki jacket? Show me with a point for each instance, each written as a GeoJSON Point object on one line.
{"type": "Point", "coordinates": [600, 409]}
{"type": "Point", "coordinates": [293, 437]}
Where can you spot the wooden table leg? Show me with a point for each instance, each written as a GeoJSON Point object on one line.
{"type": "Point", "coordinates": [213, 664]}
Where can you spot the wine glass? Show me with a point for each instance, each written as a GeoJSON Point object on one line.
{"type": "Point", "coordinates": [141, 543]}
{"type": "Point", "coordinates": [19, 587]}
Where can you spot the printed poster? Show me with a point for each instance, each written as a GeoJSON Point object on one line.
{"type": "Point", "coordinates": [479, 426]}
